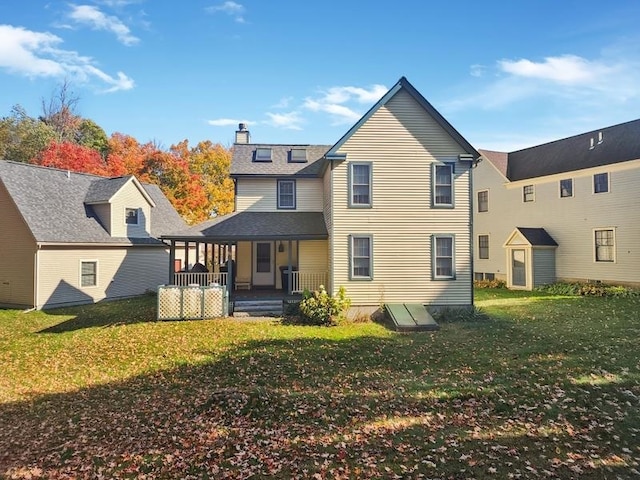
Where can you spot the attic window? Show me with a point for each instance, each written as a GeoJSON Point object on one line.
{"type": "Point", "coordinates": [262, 155]}
{"type": "Point", "coordinates": [298, 155]}
{"type": "Point", "coordinates": [131, 216]}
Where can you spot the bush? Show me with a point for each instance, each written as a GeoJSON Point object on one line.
{"type": "Point", "coordinates": [320, 308]}
{"type": "Point", "coordinates": [495, 283]}
{"type": "Point", "coordinates": [457, 314]}
{"type": "Point", "coordinates": [588, 290]}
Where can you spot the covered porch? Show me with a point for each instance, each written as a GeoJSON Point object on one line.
{"type": "Point", "coordinates": [251, 252]}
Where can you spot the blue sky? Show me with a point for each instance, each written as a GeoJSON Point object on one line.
{"type": "Point", "coordinates": [507, 75]}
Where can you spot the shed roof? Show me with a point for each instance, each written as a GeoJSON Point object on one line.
{"type": "Point", "coordinates": [243, 164]}
{"type": "Point", "coordinates": [537, 237]}
{"type": "Point", "coordinates": [257, 226]}
{"type": "Point", "coordinates": [52, 203]}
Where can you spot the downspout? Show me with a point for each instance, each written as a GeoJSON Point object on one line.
{"type": "Point", "coordinates": [474, 164]}
{"type": "Point", "coordinates": [36, 269]}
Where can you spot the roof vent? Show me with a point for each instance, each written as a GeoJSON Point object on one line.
{"type": "Point", "coordinates": [600, 138]}
{"type": "Point", "coordinates": [592, 143]}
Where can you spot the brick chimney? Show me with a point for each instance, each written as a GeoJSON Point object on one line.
{"type": "Point", "coordinates": [242, 134]}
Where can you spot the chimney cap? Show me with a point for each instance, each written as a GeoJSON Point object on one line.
{"type": "Point", "coordinates": [242, 127]}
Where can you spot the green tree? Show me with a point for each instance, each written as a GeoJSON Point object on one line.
{"type": "Point", "coordinates": [90, 134]}
{"type": "Point", "coordinates": [23, 138]}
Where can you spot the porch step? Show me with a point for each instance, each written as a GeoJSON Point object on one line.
{"type": "Point", "coordinates": [257, 308]}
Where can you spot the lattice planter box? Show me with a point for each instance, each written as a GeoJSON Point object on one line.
{"type": "Point", "coordinates": [192, 302]}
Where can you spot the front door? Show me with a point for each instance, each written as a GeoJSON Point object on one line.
{"type": "Point", "coordinates": [263, 264]}
{"type": "Point", "coordinates": [518, 268]}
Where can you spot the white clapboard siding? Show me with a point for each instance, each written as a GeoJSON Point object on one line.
{"type": "Point", "coordinates": [402, 141]}
{"type": "Point", "coordinates": [260, 195]}
{"type": "Point", "coordinates": [17, 250]}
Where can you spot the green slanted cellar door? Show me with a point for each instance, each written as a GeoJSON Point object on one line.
{"type": "Point", "coordinates": [411, 317]}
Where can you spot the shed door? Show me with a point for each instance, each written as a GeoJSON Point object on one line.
{"type": "Point", "coordinates": [263, 264]}
{"type": "Point", "coordinates": [518, 268]}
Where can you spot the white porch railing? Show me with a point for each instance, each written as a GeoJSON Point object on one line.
{"type": "Point", "coordinates": [185, 279]}
{"type": "Point", "coordinates": [301, 281]}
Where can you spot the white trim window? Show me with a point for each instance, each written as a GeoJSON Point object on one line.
{"type": "Point", "coordinates": [287, 194]}
{"type": "Point", "coordinates": [483, 247]}
{"type": "Point", "coordinates": [360, 257]}
{"type": "Point", "coordinates": [132, 216]}
{"type": "Point", "coordinates": [601, 183]}
{"type": "Point", "coordinates": [443, 258]}
{"type": "Point", "coordinates": [88, 273]}
{"type": "Point", "coordinates": [528, 193]}
{"type": "Point", "coordinates": [442, 185]}
{"type": "Point", "coordinates": [566, 188]}
{"type": "Point", "coordinates": [360, 180]}
{"type": "Point", "coordinates": [483, 201]}
{"type": "Point", "coordinates": [605, 245]}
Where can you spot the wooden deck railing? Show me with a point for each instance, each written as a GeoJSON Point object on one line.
{"type": "Point", "coordinates": [301, 281]}
{"type": "Point", "coordinates": [184, 279]}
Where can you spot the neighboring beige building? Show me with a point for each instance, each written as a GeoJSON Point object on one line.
{"type": "Point", "coordinates": [69, 238]}
{"type": "Point", "coordinates": [385, 212]}
{"type": "Point", "coordinates": [576, 200]}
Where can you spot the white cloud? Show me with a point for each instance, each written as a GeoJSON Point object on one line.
{"type": "Point", "coordinates": [289, 121]}
{"type": "Point", "coordinates": [333, 100]}
{"type": "Point", "coordinates": [96, 19]}
{"type": "Point", "coordinates": [477, 70]}
{"type": "Point", "coordinates": [226, 122]}
{"type": "Point", "coordinates": [36, 54]}
{"type": "Point", "coordinates": [231, 8]}
{"type": "Point", "coordinates": [565, 69]}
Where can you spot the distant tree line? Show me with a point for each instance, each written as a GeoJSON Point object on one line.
{"type": "Point", "coordinates": [194, 179]}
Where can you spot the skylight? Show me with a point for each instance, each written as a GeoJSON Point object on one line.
{"type": "Point", "coordinates": [262, 155]}
{"type": "Point", "coordinates": [298, 155]}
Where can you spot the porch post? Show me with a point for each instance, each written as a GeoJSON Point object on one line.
{"type": "Point", "coordinates": [229, 268]}
{"type": "Point", "coordinates": [172, 262]}
{"type": "Point", "coordinates": [197, 252]}
{"type": "Point", "coordinates": [186, 256]}
{"type": "Point", "coordinates": [289, 268]}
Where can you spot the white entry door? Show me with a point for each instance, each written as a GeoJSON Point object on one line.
{"type": "Point", "coordinates": [263, 264]}
{"type": "Point", "coordinates": [518, 268]}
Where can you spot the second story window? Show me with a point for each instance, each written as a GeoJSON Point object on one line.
{"type": "Point", "coordinates": [360, 185]}
{"type": "Point", "coordinates": [262, 155]}
{"type": "Point", "coordinates": [298, 155]}
{"type": "Point", "coordinates": [287, 194]}
{"type": "Point", "coordinates": [483, 201]}
{"type": "Point", "coordinates": [528, 193]}
{"type": "Point", "coordinates": [566, 188]}
{"type": "Point", "coordinates": [131, 216]}
{"type": "Point", "coordinates": [443, 185]}
{"type": "Point", "coordinates": [601, 183]}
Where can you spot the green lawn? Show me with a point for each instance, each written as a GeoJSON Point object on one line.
{"type": "Point", "coordinates": [543, 387]}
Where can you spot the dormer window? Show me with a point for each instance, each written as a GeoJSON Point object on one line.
{"type": "Point", "coordinates": [298, 155]}
{"type": "Point", "coordinates": [131, 216]}
{"type": "Point", "coordinates": [262, 155]}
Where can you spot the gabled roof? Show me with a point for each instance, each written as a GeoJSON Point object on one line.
{"type": "Point", "coordinates": [52, 204]}
{"type": "Point", "coordinates": [403, 83]}
{"type": "Point", "coordinates": [243, 164]}
{"type": "Point", "coordinates": [536, 237]}
{"type": "Point", "coordinates": [620, 143]}
{"type": "Point", "coordinates": [497, 159]}
{"type": "Point", "coordinates": [104, 189]}
{"type": "Point", "coordinates": [257, 226]}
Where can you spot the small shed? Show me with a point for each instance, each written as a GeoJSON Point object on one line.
{"type": "Point", "coordinates": [531, 258]}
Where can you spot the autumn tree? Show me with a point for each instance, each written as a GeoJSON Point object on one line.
{"type": "Point", "coordinates": [22, 137]}
{"type": "Point", "coordinates": [74, 157]}
{"type": "Point", "coordinates": [59, 112]}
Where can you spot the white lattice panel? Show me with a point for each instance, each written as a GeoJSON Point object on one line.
{"type": "Point", "coordinates": [169, 300]}
{"type": "Point", "coordinates": [213, 303]}
{"type": "Point", "coordinates": [176, 302]}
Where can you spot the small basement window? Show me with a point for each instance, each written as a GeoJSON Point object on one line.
{"type": "Point", "coordinates": [298, 155]}
{"type": "Point", "coordinates": [262, 155]}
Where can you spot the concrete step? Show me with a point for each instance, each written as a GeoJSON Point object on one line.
{"type": "Point", "coordinates": [257, 308]}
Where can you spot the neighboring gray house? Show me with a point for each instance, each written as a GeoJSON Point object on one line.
{"type": "Point", "coordinates": [71, 238]}
{"type": "Point", "coordinates": [567, 210]}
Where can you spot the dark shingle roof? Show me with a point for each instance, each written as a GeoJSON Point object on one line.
{"type": "Point", "coordinates": [620, 143]}
{"type": "Point", "coordinates": [101, 190]}
{"type": "Point", "coordinates": [52, 203]}
{"type": "Point", "coordinates": [243, 154]}
{"type": "Point", "coordinates": [258, 226]}
{"type": "Point", "coordinates": [497, 159]}
{"type": "Point", "coordinates": [537, 237]}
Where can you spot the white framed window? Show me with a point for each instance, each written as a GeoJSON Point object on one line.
{"type": "Point", "coordinates": [88, 273]}
{"type": "Point", "coordinates": [483, 201]}
{"type": "Point", "coordinates": [132, 216]}
{"type": "Point", "coordinates": [601, 183]}
{"type": "Point", "coordinates": [287, 194]}
{"type": "Point", "coordinates": [360, 178]}
{"type": "Point", "coordinates": [442, 185]}
{"type": "Point", "coordinates": [605, 245]}
{"type": "Point", "coordinates": [262, 154]}
{"type": "Point", "coordinates": [483, 246]}
{"type": "Point", "coordinates": [360, 257]}
{"type": "Point", "coordinates": [443, 259]}
{"type": "Point", "coordinates": [298, 155]}
{"type": "Point", "coordinates": [528, 193]}
{"type": "Point", "coordinates": [566, 188]}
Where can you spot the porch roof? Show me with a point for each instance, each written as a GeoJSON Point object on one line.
{"type": "Point", "coordinates": [245, 225]}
